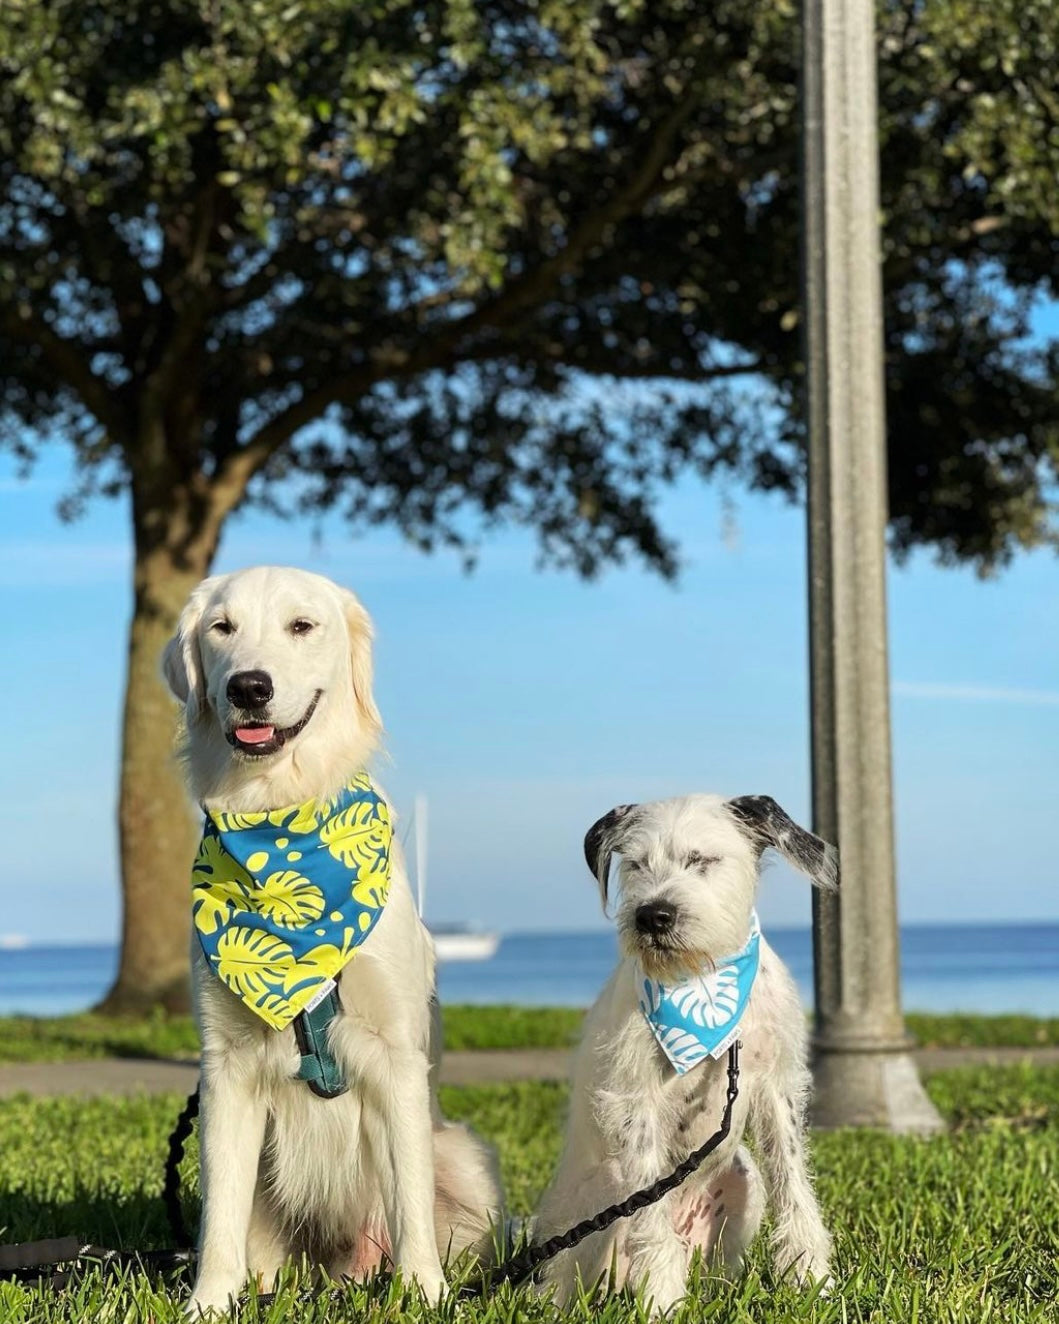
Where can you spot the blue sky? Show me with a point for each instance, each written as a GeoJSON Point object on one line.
{"type": "Point", "coordinates": [526, 703]}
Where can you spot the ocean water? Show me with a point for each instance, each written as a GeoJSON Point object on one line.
{"type": "Point", "coordinates": [968, 967]}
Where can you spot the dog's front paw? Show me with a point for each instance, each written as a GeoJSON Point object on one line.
{"type": "Point", "coordinates": [664, 1297]}
{"type": "Point", "coordinates": [433, 1286]}
{"type": "Point", "coordinates": [809, 1269]}
{"type": "Point", "coordinates": [211, 1301]}
{"type": "Point", "coordinates": [664, 1285]}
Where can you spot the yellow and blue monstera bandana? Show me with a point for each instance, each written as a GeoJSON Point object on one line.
{"type": "Point", "coordinates": [281, 900]}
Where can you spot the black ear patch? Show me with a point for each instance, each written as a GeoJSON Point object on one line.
{"type": "Point", "coordinates": [602, 839]}
{"type": "Point", "coordinates": [769, 825]}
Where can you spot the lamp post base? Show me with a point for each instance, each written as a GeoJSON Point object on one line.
{"type": "Point", "coordinates": [871, 1087]}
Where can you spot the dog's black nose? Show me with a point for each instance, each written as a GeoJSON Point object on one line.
{"type": "Point", "coordinates": [655, 918]}
{"type": "Point", "coordinates": [250, 689]}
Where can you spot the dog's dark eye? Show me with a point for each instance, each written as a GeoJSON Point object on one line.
{"type": "Point", "coordinates": [222, 627]}
{"type": "Point", "coordinates": [301, 626]}
{"type": "Point", "coordinates": [696, 860]}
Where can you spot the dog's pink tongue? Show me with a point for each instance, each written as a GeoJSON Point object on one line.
{"type": "Point", "coordinates": [254, 735]}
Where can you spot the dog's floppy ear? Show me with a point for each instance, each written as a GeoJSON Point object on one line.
{"type": "Point", "coordinates": [602, 839]}
{"type": "Point", "coordinates": [769, 825]}
{"type": "Point", "coordinates": [182, 657]}
{"type": "Point", "coordinates": [359, 628]}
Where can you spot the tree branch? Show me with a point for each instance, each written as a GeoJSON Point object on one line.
{"type": "Point", "coordinates": [240, 466]}
{"type": "Point", "coordinates": [22, 325]}
{"type": "Point", "coordinates": [536, 285]}
{"type": "Point", "coordinates": [190, 296]}
{"type": "Point", "coordinates": [112, 267]}
{"type": "Point", "coordinates": [519, 294]}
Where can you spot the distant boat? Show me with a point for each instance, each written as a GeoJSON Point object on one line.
{"type": "Point", "coordinates": [461, 942]}
{"type": "Point", "coordinates": [452, 942]}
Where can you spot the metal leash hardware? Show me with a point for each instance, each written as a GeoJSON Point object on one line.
{"type": "Point", "coordinates": [521, 1265]}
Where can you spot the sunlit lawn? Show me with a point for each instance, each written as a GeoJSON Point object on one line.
{"type": "Point", "coordinates": [963, 1227]}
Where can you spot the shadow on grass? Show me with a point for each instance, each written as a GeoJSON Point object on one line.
{"type": "Point", "coordinates": [128, 1222]}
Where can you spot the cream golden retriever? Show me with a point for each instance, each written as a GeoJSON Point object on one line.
{"type": "Point", "coordinates": [274, 668]}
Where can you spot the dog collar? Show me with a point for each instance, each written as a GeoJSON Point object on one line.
{"type": "Point", "coordinates": [699, 1017]}
{"type": "Point", "coordinates": [281, 900]}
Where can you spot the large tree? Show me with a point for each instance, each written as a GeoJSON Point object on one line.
{"type": "Point", "coordinates": [385, 255]}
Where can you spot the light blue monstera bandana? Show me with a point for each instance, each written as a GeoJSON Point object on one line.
{"type": "Point", "coordinates": [281, 900]}
{"type": "Point", "coordinates": [699, 1017]}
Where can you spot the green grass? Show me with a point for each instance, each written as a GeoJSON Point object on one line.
{"type": "Point", "coordinates": [512, 1027]}
{"type": "Point", "coordinates": [64, 1038]}
{"type": "Point", "coordinates": [959, 1229]}
{"type": "Point", "coordinates": [963, 1030]}
{"type": "Point", "coordinates": [68, 1038]}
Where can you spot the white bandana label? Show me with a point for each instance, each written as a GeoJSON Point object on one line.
{"type": "Point", "coordinates": [699, 1017]}
{"type": "Point", "coordinates": [317, 998]}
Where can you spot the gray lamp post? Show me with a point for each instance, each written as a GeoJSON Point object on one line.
{"type": "Point", "coordinates": [864, 1074]}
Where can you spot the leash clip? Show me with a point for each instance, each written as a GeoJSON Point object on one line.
{"type": "Point", "coordinates": [733, 1072]}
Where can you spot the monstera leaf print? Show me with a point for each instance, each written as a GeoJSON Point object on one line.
{"type": "Point", "coordinates": [290, 900]}
{"type": "Point", "coordinates": [321, 962]}
{"type": "Point", "coordinates": [372, 891]}
{"type": "Point", "coordinates": [237, 822]}
{"type": "Point", "coordinates": [220, 886]}
{"type": "Point", "coordinates": [712, 1001]}
{"type": "Point", "coordinates": [269, 885]}
{"type": "Point", "coordinates": [275, 1009]}
{"type": "Point", "coordinates": [311, 815]}
{"type": "Point", "coordinates": [308, 817]}
{"type": "Point", "coordinates": [252, 962]}
{"type": "Point", "coordinates": [651, 996]}
{"type": "Point", "coordinates": [681, 1047]}
{"type": "Point", "coordinates": [358, 836]}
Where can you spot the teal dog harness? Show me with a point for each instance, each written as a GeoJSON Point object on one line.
{"type": "Point", "coordinates": [318, 1067]}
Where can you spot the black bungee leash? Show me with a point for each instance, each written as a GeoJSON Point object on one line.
{"type": "Point", "coordinates": [521, 1265]}
{"type": "Point", "coordinates": [29, 1261]}
{"type": "Point", "coordinates": [59, 1262]}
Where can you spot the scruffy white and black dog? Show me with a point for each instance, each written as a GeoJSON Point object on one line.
{"type": "Point", "coordinates": [302, 908]}
{"type": "Point", "coordinates": [650, 1076]}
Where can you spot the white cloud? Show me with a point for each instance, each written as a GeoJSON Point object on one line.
{"type": "Point", "coordinates": [910, 689]}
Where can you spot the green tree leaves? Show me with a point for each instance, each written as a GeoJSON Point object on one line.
{"type": "Point", "coordinates": [395, 258]}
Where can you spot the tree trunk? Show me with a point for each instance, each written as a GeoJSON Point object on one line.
{"type": "Point", "coordinates": [175, 543]}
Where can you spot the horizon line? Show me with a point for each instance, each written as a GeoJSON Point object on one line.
{"type": "Point", "coordinates": [22, 942]}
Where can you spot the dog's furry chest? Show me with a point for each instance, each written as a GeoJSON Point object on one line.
{"type": "Point", "coordinates": [316, 1166]}
{"type": "Point", "coordinates": [637, 1092]}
